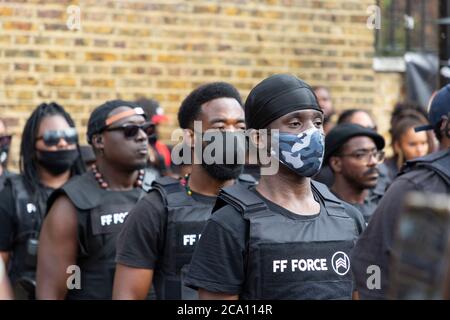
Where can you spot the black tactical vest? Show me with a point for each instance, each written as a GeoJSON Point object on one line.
{"type": "Point", "coordinates": [186, 218]}
{"type": "Point", "coordinates": [29, 211]}
{"type": "Point", "coordinates": [295, 259]}
{"type": "Point", "coordinates": [101, 214]}
{"type": "Point", "coordinates": [439, 162]}
{"type": "Point", "coordinates": [6, 174]}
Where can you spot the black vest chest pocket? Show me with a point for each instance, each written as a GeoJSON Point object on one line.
{"type": "Point", "coordinates": [187, 235]}
{"type": "Point", "coordinates": [306, 270]}
{"type": "Point", "coordinates": [109, 218]}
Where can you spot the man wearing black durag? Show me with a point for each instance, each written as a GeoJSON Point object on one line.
{"type": "Point", "coordinates": [289, 237]}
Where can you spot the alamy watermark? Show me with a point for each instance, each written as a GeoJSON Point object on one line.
{"type": "Point", "coordinates": [226, 147]}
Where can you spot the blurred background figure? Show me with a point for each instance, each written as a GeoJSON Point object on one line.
{"type": "Point", "coordinates": [159, 153]}
{"type": "Point", "coordinates": [5, 290]}
{"type": "Point", "coordinates": [406, 143]}
{"type": "Point", "coordinates": [49, 156]}
{"type": "Point", "coordinates": [326, 104]}
{"type": "Point", "coordinates": [363, 118]}
{"type": "Point", "coordinates": [5, 144]}
{"type": "Point", "coordinates": [88, 155]}
{"type": "Point", "coordinates": [354, 154]}
{"type": "Point", "coordinates": [357, 116]}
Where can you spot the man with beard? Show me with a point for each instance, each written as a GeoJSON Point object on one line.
{"type": "Point", "coordinates": [289, 237]}
{"type": "Point", "coordinates": [5, 144]}
{"type": "Point", "coordinates": [49, 156]}
{"type": "Point", "coordinates": [159, 237]}
{"type": "Point", "coordinates": [353, 153]}
{"type": "Point", "coordinates": [87, 213]}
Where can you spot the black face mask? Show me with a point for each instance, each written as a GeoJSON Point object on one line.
{"type": "Point", "coordinates": [225, 171]}
{"type": "Point", "coordinates": [57, 162]}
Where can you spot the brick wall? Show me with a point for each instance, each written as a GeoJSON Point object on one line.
{"type": "Point", "coordinates": [163, 49]}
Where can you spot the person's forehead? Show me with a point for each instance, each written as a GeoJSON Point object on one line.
{"type": "Point", "coordinates": [306, 113]}
{"type": "Point", "coordinates": [322, 92]}
{"type": "Point", "coordinates": [53, 122]}
{"type": "Point", "coordinates": [362, 118]}
{"type": "Point", "coordinates": [360, 142]}
{"type": "Point", "coordinates": [413, 135]}
{"type": "Point", "coordinates": [227, 108]}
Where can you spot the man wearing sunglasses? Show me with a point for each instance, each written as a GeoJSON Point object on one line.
{"type": "Point", "coordinates": [159, 237]}
{"type": "Point", "coordinates": [87, 213]}
{"type": "Point", "coordinates": [353, 153]}
{"type": "Point", "coordinates": [49, 157]}
{"type": "Point", "coordinates": [5, 144]}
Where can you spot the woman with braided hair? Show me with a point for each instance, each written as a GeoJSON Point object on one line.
{"type": "Point", "coordinates": [406, 143]}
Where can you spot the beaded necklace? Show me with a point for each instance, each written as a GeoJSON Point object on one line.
{"type": "Point", "coordinates": [185, 182]}
{"type": "Point", "coordinates": [104, 185]}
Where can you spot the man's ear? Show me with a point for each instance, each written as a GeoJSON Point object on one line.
{"type": "Point", "coordinates": [97, 142]}
{"type": "Point", "coordinates": [188, 137]}
{"type": "Point", "coordinates": [335, 164]}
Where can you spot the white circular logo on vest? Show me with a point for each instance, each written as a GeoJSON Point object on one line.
{"type": "Point", "coordinates": [340, 263]}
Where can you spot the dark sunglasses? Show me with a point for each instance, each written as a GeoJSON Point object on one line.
{"type": "Point", "coordinates": [5, 140]}
{"type": "Point", "coordinates": [52, 137]}
{"type": "Point", "coordinates": [131, 130]}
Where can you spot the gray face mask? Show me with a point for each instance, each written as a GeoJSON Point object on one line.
{"type": "Point", "coordinates": [303, 152]}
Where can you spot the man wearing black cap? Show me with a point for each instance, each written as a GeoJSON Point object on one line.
{"type": "Point", "coordinates": [290, 237]}
{"type": "Point", "coordinates": [87, 213]}
{"type": "Point", "coordinates": [353, 154]}
{"type": "Point", "coordinates": [427, 174]}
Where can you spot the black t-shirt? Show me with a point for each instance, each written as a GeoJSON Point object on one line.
{"type": "Point", "coordinates": [140, 243]}
{"type": "Point", "coordinates": [218, 264]}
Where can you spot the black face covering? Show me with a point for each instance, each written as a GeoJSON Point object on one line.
{"type": "Point", "coordinates": [57, 162]}
{"type": "Point", "coordinates": [223, 171]}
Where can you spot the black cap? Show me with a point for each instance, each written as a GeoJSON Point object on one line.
{"type": "Point", "coordinates": [340, 134]}
{"type": "Point", "coordinates": [97, 120]}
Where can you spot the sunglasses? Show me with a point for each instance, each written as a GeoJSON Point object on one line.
{"type": "Point", "coordinates": [131, 130]}
{"type": "Point", "coordinates": [5, 140]}
{"type": "Point", "coordinates": [52, 137]}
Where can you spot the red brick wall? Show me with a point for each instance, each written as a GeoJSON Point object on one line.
{"type": "Point", "coordinates": [163, 49]}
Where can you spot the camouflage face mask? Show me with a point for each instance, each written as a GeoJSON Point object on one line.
{"type": "Point", "coordinates": [303, 152]}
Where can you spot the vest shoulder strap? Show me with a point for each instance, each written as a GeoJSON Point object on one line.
{"type": "Point", "coordinates": [332, 203]}
{"type": "Point", "coordinates": [172, 192]}
{"type": "Point", "coordinates": [81, 190]}
{"type": "Point", "coordinates": [246, 179]}
{"type": "Point", "coordinates": [243, 200]}
{"type": "Point", "coordinates": [439, 162]}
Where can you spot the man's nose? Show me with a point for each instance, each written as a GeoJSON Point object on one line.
{"type": "Point", "coordinates": [62, 143]}
{"type": "Point", "coordinates": [141, 135]}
